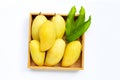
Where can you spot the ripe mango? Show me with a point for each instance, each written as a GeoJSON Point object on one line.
{"type": "Point", "coordinates": [55, 54]}
{"type": "Point", "coordinates": [72, 53]}
{"type": "Point", "coordinates": [59, 23]}
{"type": "Point", "coordinates": [47, 35]}
{"type": "Point", "coordinates": [37, 22]}
{"type": "Point", "coordinates": [37, 55]}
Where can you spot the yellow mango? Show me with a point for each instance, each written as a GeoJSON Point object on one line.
{"type": "Point", "coordinates": [55, 54]}
{"type": "Point", "coordinates": [37, 55]}
{"type": "Point", "coordinates": [72, 53]}
{"type": "Point", "coordinates": [47, 35]}
{"type": "Point", "coordinates": [37, 22]}
{"type": "Point", "coordinates": [59, 23]}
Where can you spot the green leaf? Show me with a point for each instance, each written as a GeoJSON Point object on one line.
{"type": "Point", "coordinates": [81, 18]}
{"type": "Point", "coordinates": [79, 31]}
{"type": "Point", "coordinates": [70, 23]}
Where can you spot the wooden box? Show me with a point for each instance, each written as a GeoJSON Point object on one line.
{"type": "Point", "coordinates": [79, 65]}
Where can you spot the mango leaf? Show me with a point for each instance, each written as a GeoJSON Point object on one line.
{"type": "Point", "coordinates": [70, 23]}
{"type": "Point", "coordinates": [81, 18]}
{"type": "Point", "coordinates": [79, 31]}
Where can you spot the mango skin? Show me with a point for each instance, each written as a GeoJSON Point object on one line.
{"type": "Point", "coordinates": [47, 35]}
{"type": "Point", "coordinates": [55, 54]}
{"type": "Point", "coordinates": [37, 22]}
{"type": "Point", "coordinates": [37, 55]}
{"type": "Point", "coordinates": [59, 23]}
{"type": "Point", "coordinates": [72, 53]}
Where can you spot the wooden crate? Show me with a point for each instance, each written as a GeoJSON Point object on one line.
{"type": "Point", "coordinates": [79, 65]}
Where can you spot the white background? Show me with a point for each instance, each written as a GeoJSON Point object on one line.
{"type": "Point", "coordinates": [102, 44]}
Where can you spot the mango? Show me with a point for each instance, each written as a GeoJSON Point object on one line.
{"type": "Point", "coordinates": [72, 53]}
{"type": "Point", "coordinates": [37, 22]}
{"type": "Point", "coordinates": [59, 23]}
{"type": "Point", "coordinates": [37, 55]}
{"type": "Point", "coordinates": [47, 35]}
{"type": "Point", "coordinates": [55, 54]}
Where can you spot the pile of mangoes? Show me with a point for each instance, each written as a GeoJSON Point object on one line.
{"type": "Point", "coordinates": [48, 47]}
